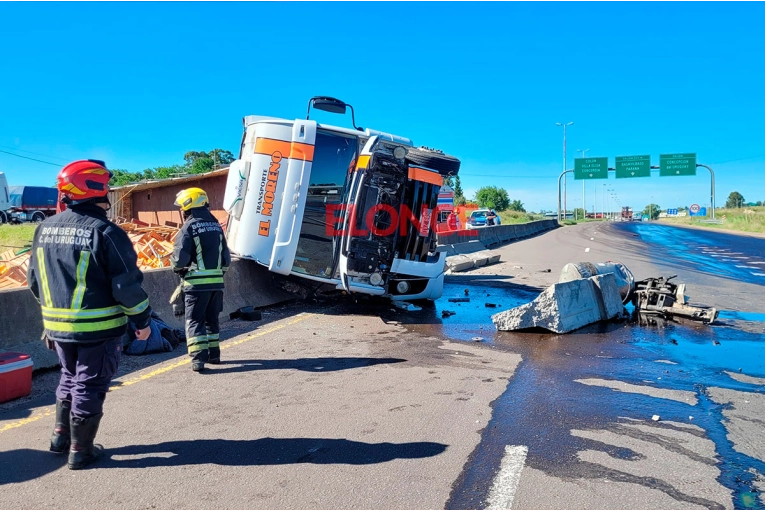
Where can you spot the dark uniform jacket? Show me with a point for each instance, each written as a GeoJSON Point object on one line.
{"type": "Point", "coordinates": [201, 254]}
{"type": "Point", "coordinates": [83, 273]}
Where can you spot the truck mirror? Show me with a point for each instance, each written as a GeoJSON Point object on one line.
{"type": "Point", "coordinates": [328, 104]}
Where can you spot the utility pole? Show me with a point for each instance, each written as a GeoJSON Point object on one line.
{"type": "Point", "coordinates": [565, 179]}
{"type": "Point", "coordinates": [584, 207]}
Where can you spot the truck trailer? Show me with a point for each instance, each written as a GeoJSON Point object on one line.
{"type": "Point", "coordinates": [355, 209]}
{"type": "Point", "coordinates": [31, 203]}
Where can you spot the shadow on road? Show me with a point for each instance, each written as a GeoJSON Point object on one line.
{"type": "Point", "coordinates": [303, 364]}
{"type": "Point", "coordinates": [22, 465]}
{"type": "Point", "coordinates": [267, 451]}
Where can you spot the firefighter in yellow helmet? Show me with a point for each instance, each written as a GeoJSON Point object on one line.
{"type": "Point", "coordinates": [201, 258]}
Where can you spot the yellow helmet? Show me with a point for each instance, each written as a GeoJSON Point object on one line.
{"type": "Point", "coordinates": [190, 198]}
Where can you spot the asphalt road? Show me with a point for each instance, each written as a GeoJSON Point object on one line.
{"type": "Point", "coordinates": [329, 405]}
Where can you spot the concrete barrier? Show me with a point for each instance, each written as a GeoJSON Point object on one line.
{"type": "Point", "coordinates": [567, 306]}
{"type": "Point", "coordinates": [247, 283]}
{"type": "Point", "coordinates": [492, 237]}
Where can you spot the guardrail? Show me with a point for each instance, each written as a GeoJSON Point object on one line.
{"type": "Point", "coordinates": [491, 237]}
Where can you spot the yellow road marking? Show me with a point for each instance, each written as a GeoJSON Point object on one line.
{"type": "Point", "coordinates": [51, 410]}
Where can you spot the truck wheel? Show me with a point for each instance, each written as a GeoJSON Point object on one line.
{"type": "Point", "coordinates": [434, 159]}
{"type": "Point", "coordinates": [3, 218]}
{"type": "Point", "coordinates": [38, 217]}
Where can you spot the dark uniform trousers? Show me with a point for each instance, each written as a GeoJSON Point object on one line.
{"type": "Point", "coordinates": [86, 372]}
{"type": "Point", "coordinates": [202, 326]}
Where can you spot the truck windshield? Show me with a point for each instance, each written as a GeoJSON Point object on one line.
{"type": "Point", "coordinates": [16, 195]}
{"type": "Point", "coordinates": [333, 156]}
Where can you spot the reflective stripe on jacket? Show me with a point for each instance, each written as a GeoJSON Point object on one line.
{"type": "Point", "coordinates": [201, 250]}
{"type": "Point", "coordinates": [83, 272]}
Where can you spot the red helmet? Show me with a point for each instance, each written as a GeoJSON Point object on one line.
{"type": "Point", "coordinates": [83, 180]}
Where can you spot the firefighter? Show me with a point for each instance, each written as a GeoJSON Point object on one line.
{"type": "Point", "coordinates": [83, 273]}
{"type": "Point", "coordinates": [201, 258]}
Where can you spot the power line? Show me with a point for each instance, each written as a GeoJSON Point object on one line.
{"type": "Point", "coordinates": [30, 152]}
{"type": "Point", "coordinates": [33, 159]}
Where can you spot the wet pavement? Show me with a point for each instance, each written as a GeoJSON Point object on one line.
{"type": "Point", "coordinates": [572, 390]}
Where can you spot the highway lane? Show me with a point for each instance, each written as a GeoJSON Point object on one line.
{"type": "Point", "coordinates": [361, 406]}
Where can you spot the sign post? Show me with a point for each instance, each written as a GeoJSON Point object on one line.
{"type": "Point", "coordinates": [677, 164]}
{"type": "Point", "coordinates": [633, 166]}
{"type": "Point", "coordinates": [590, 168]}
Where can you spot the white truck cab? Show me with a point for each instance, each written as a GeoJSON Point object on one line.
{"type": "Point", "coordinates": [353, 208]}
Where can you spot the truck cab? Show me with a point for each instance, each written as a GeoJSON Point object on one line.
{"type": "Point", "coordinates": [352, 208]}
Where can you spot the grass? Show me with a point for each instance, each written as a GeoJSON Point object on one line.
{"type": "Point", "coordinates": [16, 236]}
{"type": "Point", "coordinates": [514, 217]}
{"type": "Point", "coordinates": [746, 219]}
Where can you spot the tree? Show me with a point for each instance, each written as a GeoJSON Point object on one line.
{"type": "Point", "coordinates": [735, 200]}
{"type": "Point", "coordinates": [198, 162]}
{"type": "Point", "coordinates": [652, 211]}
{"type": "Point", "coordinates": [492, 197]}
{"type": "Point", "coordinates": [579, 213]}
{"type": "Point", "coordinates": [459, 197]}
{"type": "Point", "coordinates": [448, 181]}
{"type": "Point", "coordinates": [516, 205]}
{"type": "Point", "coordinates": [758, 203]}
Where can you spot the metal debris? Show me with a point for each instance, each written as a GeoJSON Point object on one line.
{"type": "Point", "coordinates": [659, 296]}
{"type": "Point", "coordinates": [459, 300]}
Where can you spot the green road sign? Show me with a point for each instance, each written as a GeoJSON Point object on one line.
{"type": "Point", "coordinates": [633, 166]}
{"type": "Point", "coordinates": [591, 168]}
{"type": "Point", "coordinates": [677, 164]}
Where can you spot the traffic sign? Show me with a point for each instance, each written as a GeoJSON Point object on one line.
{"type": "Point", "coordinates": [591, 168]}
{"type": "Point", "coordinates": [633, 166]}
{"type": "Point", "coordinates": [671, 212]}
{"type": "Point", "coordinates": [677, 164]}
{"type": "Point", "coordinates": [694, 208]}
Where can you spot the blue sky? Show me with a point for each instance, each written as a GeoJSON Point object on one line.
{"type": "Point", "coordinates": [139, 84]}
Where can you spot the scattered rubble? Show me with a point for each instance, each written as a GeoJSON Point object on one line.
{"type": "Point", "coordinates": [459, 300]}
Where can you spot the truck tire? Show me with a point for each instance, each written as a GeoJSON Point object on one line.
{"type": "Point", "coordinates": [3, 217]}
{"type": "Point", "coordinates": [38, 216]}
{"type": "Point", "coordinates": [434, 159]}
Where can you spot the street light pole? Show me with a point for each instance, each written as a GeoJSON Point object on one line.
{"type": "Point", "coordinates": [565, 178]}
{"type": "Point", "coordinates": [584, 206]}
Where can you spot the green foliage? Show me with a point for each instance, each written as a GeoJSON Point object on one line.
{"type": "Point", "coordinates": [196, 162]}
{"type": "Point", "coordinates": [459, 196]}
{"type": "Point", "coordinates": [492, 197]}
{"type": "Point", "coordinates": [578, 213]}
{"type": "Point", "coordinates": [516, 205]}
{"type": "Point", "coordinates": [735, 200]}
{"type": "Point", "coordinates": [448, 181]}
{"type": "Point", "coordinates": [652, 211]}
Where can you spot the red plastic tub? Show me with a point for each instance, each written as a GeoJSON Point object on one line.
{"type": "Point", "coordinates": [15, 375]}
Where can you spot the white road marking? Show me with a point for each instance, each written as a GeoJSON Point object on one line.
{"type": "Point", "coordinates": [760, 263]}
{"type": "Point", "coordinates": [586, 250]}
{"type": "Point", "coordinates": [758, 274]}
{"type": "Point", "coordinates": [506, 482]}
{"type": "Point", "coordinates": [747, 267]}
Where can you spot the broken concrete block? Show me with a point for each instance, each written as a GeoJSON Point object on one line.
{"type": "Point", "coordinates": [566, 306]}
{"type": "Point", "coordinates": [459, 263]}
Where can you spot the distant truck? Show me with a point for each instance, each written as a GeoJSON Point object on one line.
{"type": "Point", "coordinates": [627, 213]}
{"type": "Point", "coordinates": [355, 209]}
{"type": "Point", "coordinates": [5, 200]}
{"type": "Point", "coordinates": [31, 203]}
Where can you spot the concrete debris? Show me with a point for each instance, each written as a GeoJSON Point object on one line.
{"type": "Point", "coordinates": [655, 417]}
{"type": "Point", "coordinates": [579, 270]}
{"type": "Point", "coordinates": [490, 305]}
{"type": "Point", "coordinates": [446, 313]}
{"type": "Point", "coordinates": [659, 296]}
{"type": "Point", "coordinates": [459, 300]}
{"type": "Point", "coordinates": [566, 306]}
{"type": "Point", "coordinates": [467, 261]}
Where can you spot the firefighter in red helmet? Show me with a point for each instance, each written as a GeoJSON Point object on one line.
{"type": "Point", "coordinates": [83, 273]}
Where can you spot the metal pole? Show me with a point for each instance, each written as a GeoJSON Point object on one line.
{"type": "Point", "coordinates": [559, 178]}
{"type": "Point", "coordinates": [711, 172]}
{"type": "Point", "coordinates": [565, 178]}
{"type": "Point", "coordinates": [584, 206]}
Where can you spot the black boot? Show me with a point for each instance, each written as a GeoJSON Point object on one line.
{"type": "Point", "coordinates": [60, 438]}
{"type": "Point", "coordinates": [214, 356]}
{"type": "Point", "coordinates": [83, 452]}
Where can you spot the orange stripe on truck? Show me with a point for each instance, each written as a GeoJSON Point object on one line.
{"type": "Point", "coordinates": [293, 150]}
{"type": "Point", "coordinates": [420, 174]}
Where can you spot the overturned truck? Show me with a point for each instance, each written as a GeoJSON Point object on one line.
{"type": "Point", "coordinates": [354, 209]}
